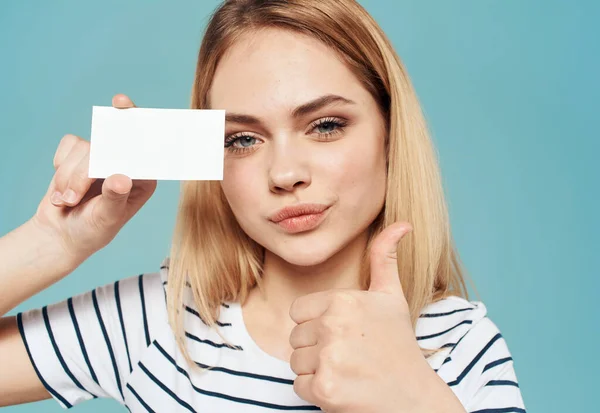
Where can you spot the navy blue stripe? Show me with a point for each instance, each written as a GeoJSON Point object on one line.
{"type": "Point", "coordinates": [475, 360]}
{"type": "Point", "coordinates": [237, 399]}
{"type": "Point", "coordinates": [197, 314]}
{"type": "Point", "coordinates": [446, 360]}
{"type": "Point", "coordinates": [496, 363]}
{"type": "Point", "coordinates": [187, 284]}
{"type": "Point", "coordinates": [445, 331]}
{"type": "Point", "coordinates": [147, 333]}
{"type": "Point", "coordinates": [501, 410]}
{"type": "Point", "coordinates": [165, 388]}
{"type": "Point", "coordinates": [120, 311]}
{"type": "Point", "coordinates": [212, 343]}
{"type": "Point", "coordinates": [226, 370]}
{"type": "Point", "coordinates": [80, 339]}
{"type": "Point", "coordinates": [458, 342]}
{"type": "Point", "coordinates": [137, 396]}
{"type": "Point", "coordinates": [502, 383]}
{"type": "Point", "coordinates": [44, 382]}
{"type": "Point", "coordinates": [108, 343]}
{"type": "Point", "coordinates": [58, 353]}
{"type": "Point", "coordinates": [431, 315]}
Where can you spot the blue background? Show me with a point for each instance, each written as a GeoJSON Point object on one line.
{"type": "Point", "coordinates": [509, 87]}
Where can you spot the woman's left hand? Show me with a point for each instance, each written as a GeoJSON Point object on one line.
{"type": "Point", "coordinates": [356, 351]}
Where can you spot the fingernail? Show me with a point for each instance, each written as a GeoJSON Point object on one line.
{"type": "Point", "coordinates": [69, 196]}
{"type": "Point", "coordinates": [56, 198]}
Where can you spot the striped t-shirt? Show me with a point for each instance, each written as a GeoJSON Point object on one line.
{"type": "Point", "coordinates": [115, 341]}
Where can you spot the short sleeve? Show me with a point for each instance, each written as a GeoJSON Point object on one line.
{"type": "Point", "coordinates": [485, 377]}
{"type": "Point", "coordinates": [85, 347]}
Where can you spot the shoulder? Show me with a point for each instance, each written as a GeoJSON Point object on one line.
{"type": "Point", "coordinates": [469, 340]}
{"type": "Point", "coordinates": [443, 323]}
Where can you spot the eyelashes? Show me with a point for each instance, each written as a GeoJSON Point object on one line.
{"type": "Point", "coordinates": [332, 125]}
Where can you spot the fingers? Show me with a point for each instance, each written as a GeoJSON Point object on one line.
{"type": "Point", "coordinates": [71, 162]}
{"type": "Point", "coordinates": [305, 360]}
{"type": "Point", "coordinates": [71, 180]}
{"type": "Point", "coordinates": [303, 386]}
{"type": "Point", "coordinates": [310, 306]}
{"type": "Point", "coordinates": [64, 147]}
{"type": "Point", "coordinates": [113, 202]}
{"type": "Point", "coordinates": [122, 101]}
{"type": "Point", "coordinates": [305, 334]}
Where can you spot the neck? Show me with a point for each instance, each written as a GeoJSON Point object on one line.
{"type": "Point", "coordinates": [283, 282]}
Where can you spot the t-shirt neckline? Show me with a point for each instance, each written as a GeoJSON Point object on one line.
{"type": "Point", "coordinates": [243, 337]}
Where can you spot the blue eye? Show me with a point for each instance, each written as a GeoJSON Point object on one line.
{"type": "Point", "coordinates": [327, 127]}
{"type": "Point", "coordinates": [240, 143]}
{"type": "Point", "coordinates": [246, 141]}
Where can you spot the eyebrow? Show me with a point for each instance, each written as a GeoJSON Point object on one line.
{"type": "Point", "coordinates": [298, 112]}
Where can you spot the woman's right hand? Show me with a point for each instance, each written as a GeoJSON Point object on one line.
{"type": "Point", "coordinates": [85, 214]}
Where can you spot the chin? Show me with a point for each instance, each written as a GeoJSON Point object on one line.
{"type": "Point", "coordinates": [305, 252]}
{"type": "Point", "coordinates": [304, 258]}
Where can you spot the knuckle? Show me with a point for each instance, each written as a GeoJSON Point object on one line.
{"type": "Point", "coordinates": [328, 356]}
{"type": "Point", "coordinates": [82, 145]}
{"type": "Point", "coordinates": [67, 143]}
{"type": "Point", "coordinates": [344, 299]}
{"type": "Point", "coordinates": [377, 252]}
{"type": "Point", "coordinates": [328, 325]}
{"type": "Point", "coordinates": [69, 139]}
{"type": "Point", "coordinates": [78, 187]}
{"type": "Point", "coordinates": [294, 309]}
{"type": "Point", "coordinates": [55, 160]}
{"type": "Point", "coordinates": [324, 389]}
{"type": "Point", "coordinates": [78, 180]}
{"type": "Point", "coordinates": [61, 179]}
{"type": "Point", "coordinates": [331, 327]}
{"type": "Point", "coordinates": [295, 336]}
{"type": "Point", "coordinates": [381, 251]}
{"type": "Point", "coordinates": [294, 361]}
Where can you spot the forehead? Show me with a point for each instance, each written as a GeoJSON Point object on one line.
{"type": "Point", "coordinates": [273, 68]}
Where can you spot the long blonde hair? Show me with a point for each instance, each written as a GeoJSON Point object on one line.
{"type": "Point", "coordinates": [213, 254]}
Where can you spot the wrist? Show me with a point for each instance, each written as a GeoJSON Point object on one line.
{"type": "Point", "coordinates": [437, 396]}
{"type": "Point", "coordinates": [31, 260]}
{"type": "Point", "coordinates": [50, 249]}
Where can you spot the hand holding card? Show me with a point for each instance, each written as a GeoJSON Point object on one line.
{"type": "Point", "coordinates": [98, 187]}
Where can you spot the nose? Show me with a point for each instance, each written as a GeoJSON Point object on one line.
{"type": "Point", "coordinates": [288, 169]}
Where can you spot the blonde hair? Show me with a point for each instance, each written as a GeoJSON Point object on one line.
{"type": "Point", "coordinates": [211, 251]}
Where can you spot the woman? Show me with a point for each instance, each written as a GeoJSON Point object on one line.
{"type": "Point", "coordinates": [320, 273]}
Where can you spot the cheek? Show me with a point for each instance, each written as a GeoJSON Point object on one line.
{"type": "Point", "coordinates": [240, 184]}
{"type": "Point", "coordinates": [356, 171]}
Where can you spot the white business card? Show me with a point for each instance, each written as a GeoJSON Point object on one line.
{"type": "Point", "coordinates": [161, 144]}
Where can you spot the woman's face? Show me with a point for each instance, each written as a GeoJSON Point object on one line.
{"type": "Point", "coordinates": [300, 129]}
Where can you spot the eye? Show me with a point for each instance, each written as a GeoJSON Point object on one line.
{"type": "Point", "coordinates": [240, 143]}
{"type": "Point", "coordinates": [327, 127]}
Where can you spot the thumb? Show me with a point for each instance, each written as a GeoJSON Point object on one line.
{"type": "Point", "coordinates": [384, 259]}
{"type": "Point", "coordinates": [122, 101]}
{"type": "Point", "coordinates": [112, 203]}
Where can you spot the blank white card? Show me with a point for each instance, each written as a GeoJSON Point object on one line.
{"type": "Point", "coordinates": [166, 144]}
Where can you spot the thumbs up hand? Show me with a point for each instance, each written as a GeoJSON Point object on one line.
{"type": "Point", "coordinates": [356, 351]}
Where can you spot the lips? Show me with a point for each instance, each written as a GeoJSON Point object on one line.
{"type": "Point", "coordinates": [299, 218]}
{"type": "Point", "coordinates": [296, 211]}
